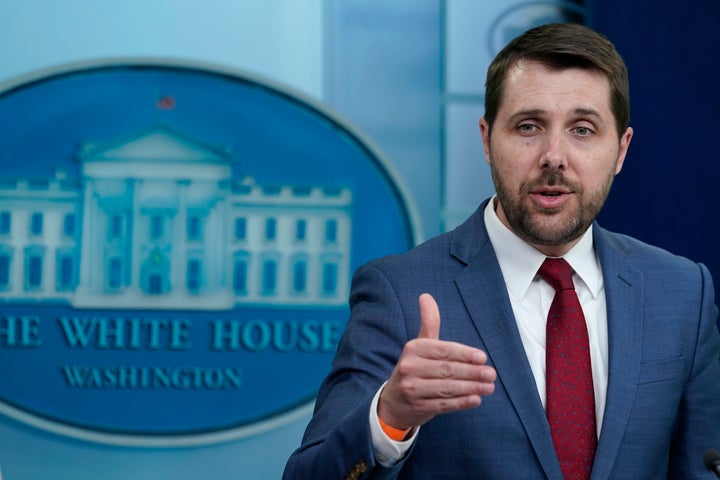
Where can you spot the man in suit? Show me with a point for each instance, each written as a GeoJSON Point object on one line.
{"type": "Point", "coordinates": [445, 369]}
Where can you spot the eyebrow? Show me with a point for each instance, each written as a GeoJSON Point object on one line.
{"type": "Point", "coordinates": [589, 112]}
{"type": "Point", "coordinates": [538, 112]}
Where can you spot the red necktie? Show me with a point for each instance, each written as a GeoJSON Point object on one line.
{"type": "Point", "coordinates": [570, 397]}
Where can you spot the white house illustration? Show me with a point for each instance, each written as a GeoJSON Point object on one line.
{"type": "Point", "coordinates": [157, 221]}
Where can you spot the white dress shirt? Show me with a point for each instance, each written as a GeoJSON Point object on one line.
{"type": "Point", "coordinates": [530, 297]}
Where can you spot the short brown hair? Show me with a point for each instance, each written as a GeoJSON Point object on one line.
{"type": "Point", "coordinates": [559, 46]}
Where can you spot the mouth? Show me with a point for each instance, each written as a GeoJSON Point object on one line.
{"type": "Point", "coordinates": [550, 197]}
{"type": "Point", "coordinates": [550, 191]}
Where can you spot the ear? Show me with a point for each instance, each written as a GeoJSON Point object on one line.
{"type": "Point", "coordinates": [623, 149]}
{"type": "Point", "coordinates": [485, 134]}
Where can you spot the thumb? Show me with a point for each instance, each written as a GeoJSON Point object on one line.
{"type": "Point", "coordinates": [429, 317]}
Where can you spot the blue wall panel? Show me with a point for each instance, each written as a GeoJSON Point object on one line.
{"type": "Point", "coordinates": [667, 193]}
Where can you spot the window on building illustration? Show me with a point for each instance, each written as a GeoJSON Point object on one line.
{"type": "Point", "coordinates": [114, 273]}
{"type": "Point", "coordinates": [300, 230]}
{"type": "Point", "coordinates": [155, 283]}
{"type": "Point", "coordinates": [154, 278]}
{"type": "Point", "coordinates": [270, 229]}
{"type": "Point", "coordinates": [194, 228]}
{"type": "Point", "coordinates": [5, 223]}
{"type": "Point", "coordinates": [4, 271]}
{"type": "Point", "coordinates": [269, 277]}
{"type": "Point", "coordinates": [194, 271]}
{"type": "Point", "coordinates": [65, 272]}
{"type": "Point", "coordinates": [34, 271]}
{"type": "Point", "coordinates": [299, 278]}
{"type": "Point", "coordinates": [329, 278]}
{"type": "Point", "coordinates": [157, 227]}
{"type": "Point", "coordinates": [36, 223]}
{"type": "Point", "coordinates": [240, 228]}
{"type": "Point", "coordinates": [331, 231]}
{"type": "Point", "coordinates": [69, 225]}
{"type": "Point", "coordinates": [115, 227]}
{"type": "Point", "coordinates": [240, 276]}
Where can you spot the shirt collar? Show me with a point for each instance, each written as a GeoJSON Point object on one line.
{"type": "Point", "coordinates": [520, 262]}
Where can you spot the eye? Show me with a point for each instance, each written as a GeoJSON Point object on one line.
{"type": "Point", "coordinates": [583, 131]}
{"type": "Point", "coordinates": [527, 128]}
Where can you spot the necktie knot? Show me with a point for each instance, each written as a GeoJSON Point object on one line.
{"type": "Point", "coordinates": [558, 273]}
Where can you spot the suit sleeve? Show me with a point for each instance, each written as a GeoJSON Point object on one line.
{"type": "Point", "coordinates": [337, 443]}
{"type": "Point", "coordinates": [698, 423]}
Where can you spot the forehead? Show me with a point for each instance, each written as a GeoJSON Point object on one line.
{"type": "Point", "coordinates": [533, 85]}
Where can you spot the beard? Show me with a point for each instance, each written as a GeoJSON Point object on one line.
{"type": "Point", "coordinates": [550, 226]}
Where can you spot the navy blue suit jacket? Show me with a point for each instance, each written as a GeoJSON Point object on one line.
{"type": "Point", "coordinates": [663, 396]}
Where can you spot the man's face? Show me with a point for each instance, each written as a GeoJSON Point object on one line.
{"type": "Point", "coordinates": [553, 153]}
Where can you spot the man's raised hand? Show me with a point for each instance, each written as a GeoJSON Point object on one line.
{"type": "Point", "coordinates": [433, 376]}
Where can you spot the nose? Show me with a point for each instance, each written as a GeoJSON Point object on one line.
{"type": "Point", "coordinates": [554, 153]}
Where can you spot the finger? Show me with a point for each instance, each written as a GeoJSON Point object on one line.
{"type": "Point", "coordinates": [428, 358]}
{"type": "Point", "coordinates": [436, 406]}
{"type": "Point", "coordinates": [448, 389]}
{"type": "Point", "coordinates": [429, 317]}
{"type": "Point", "coordinates": [464, 368]}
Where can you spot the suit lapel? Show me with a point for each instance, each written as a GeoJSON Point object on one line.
{"type": "Point", "coordinates": [623, 294]}
{"type": "Point", "coordinates": [481, 287]}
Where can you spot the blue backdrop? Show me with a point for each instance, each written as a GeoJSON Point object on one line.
{"type": "Point", "coordinates": [666, 193]}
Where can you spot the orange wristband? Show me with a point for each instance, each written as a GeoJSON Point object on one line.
{"type": "Point", "coordinates": [394, 433]}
